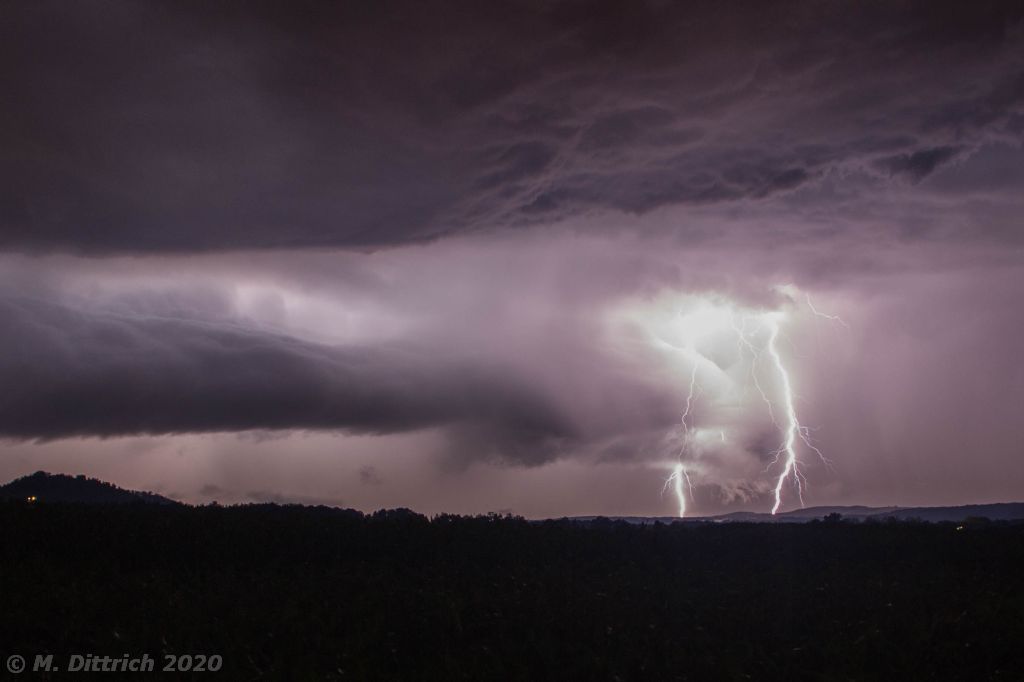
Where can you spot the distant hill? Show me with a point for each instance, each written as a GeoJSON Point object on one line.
{"type": "Point", "coordinates": [45, 487]}
{"type": "Point", "coordinates": [1004, 511]}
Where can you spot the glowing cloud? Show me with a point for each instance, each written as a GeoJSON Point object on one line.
{"type": "Point", "coordinates": [699, 333]}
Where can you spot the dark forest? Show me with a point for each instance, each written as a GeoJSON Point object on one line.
{"type": "Point", "coordinates": [290, 592]}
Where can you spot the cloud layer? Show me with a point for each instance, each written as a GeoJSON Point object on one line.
{"type": "Point", "coordinates": [181, 127]}
{"type": "Point", "coordinates": [115, 374]}
{"type": "Point", "coordinates": [472, 229]}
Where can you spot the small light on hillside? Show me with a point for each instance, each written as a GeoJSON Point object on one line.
{"type": "Point", "coordinates": [30, 498]}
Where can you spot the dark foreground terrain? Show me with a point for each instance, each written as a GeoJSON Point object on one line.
{"type": "Point", "coordinates": [315, 593]}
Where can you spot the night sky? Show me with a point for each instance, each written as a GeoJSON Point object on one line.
{"type": "Point", "coordinates": [469, 256]}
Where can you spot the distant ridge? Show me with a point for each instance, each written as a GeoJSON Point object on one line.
{"type": "Point", "coordinates": [45, 487]}
{"type": "Point", "coordinates": [1001, 511]}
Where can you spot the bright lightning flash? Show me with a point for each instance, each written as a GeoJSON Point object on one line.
{"type": "Point", "coordinates": [792, 428]}
{"type": "Point", "coordinates": [676, 480]}
{"type": "Point", "coordinates": [793, 432]}
{"type": "Point", "coordinates": [679, 473]}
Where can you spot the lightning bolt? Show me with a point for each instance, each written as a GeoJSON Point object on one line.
{"type": "Point", "coordinates": [689, 398]}
{"type": "Point", "coordinates": [782, 410]}
{"type": "Point", "coordinates": [755, 354]}
{"type": "Point", "coordinates": [678, 477]}
{"type": "Point", "coordinates": [679, 474]}
{"type": "Point", "coordinates": [792, 430]}
{"type": "Point", "coordinates": [816, 312]}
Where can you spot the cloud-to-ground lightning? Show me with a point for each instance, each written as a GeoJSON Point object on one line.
{"type": "Point", "coordinates": [792, 429]}
{"type": "Point", "coordinates": [767, 325]}
{"type": "Point", "coordinates": [676, 480]}
{"type": "Point", "coordinates": [679, 473]}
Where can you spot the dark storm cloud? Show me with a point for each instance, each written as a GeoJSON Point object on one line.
{"type": "Point", "coordinates": [74, 373]}
{"type": "Point", "coordinates": [917, 165]}
{"type": "Point", "coordinates": [559, 184]}
{"type": "Point", "coordinates": [115, 357]}
{"type": "Point", "coordinates": [191, 126]}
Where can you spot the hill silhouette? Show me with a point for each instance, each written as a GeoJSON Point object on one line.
{"type": "Point", "coordinates": [1001, 511]}
{"type": "Point", "coordinates": [46, 487]}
